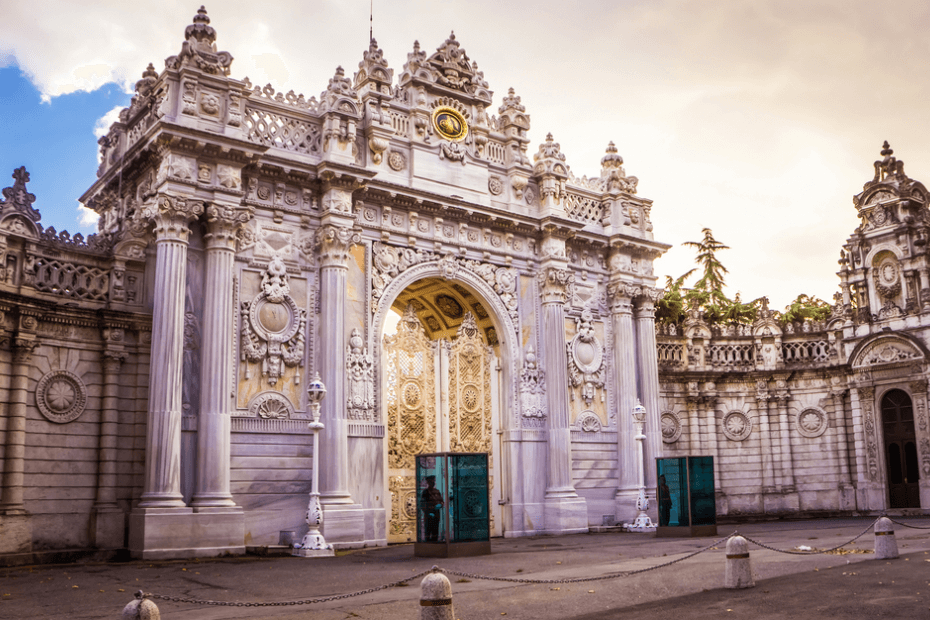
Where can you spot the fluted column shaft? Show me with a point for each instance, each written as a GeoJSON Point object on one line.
{"type": "Point", "coordinates": [213, 427]}
{"type": "Point", "coordinates": [11, 502]}
{"type": "Point", "coordinates": [648, 375]}
{"type": "Point", "coordinates": [334, 244]}
{"type": "Point", "coordinates": [109, 431]}
{"type": "Point", "coordinates": [163, 437]}
{"type": "Point", "coordinates": [554, 284]}
{"type": "Point", "coordinates": [623, 378]}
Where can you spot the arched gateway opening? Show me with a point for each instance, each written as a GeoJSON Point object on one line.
{"type": "Point", "coordinates": [900, 450]}
{"type": "Point", "coordinates": [442, 390]}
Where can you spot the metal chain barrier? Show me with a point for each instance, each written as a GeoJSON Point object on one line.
{"type": "Point", "coordinates": [309, 601]}
{"type": "Point", "coordinates": [913, 527]}
{"type": "Point", "coordinates": [585, 579]}
{"type": "Point", "coordinates": [811, 552]}
{"type": "Point", "coordinates": [523, 580]}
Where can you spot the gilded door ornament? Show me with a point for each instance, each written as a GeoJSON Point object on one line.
{"type": "Point", "coordinates": [469, 390]}
{"type": "Point", "coordinates": [273, 327]}
{"type": "Point", "coordinates": [410, 393]}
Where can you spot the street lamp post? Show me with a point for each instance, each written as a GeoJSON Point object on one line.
{"type": "Point", "coordinates": [642, 522]}
{"type": "Point", "coordinates": [313, 544]}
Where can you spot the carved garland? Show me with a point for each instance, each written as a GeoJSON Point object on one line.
{"type": "Point", "coordinates": [866, 398]}
{"type": "Point", "coordinates": [586, 358]}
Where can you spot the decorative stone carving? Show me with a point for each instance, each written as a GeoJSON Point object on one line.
{"type": "Point", "coordinates": [18, 198]}
{"type": "Point", "coordinates": [495, 185]}
{"type": "Point", "coordinates": [867, 404]}
{"type": "Point", "coordinates": [737, 426]}
{"type": "Point", "coordinates": [199, 48]}
{"type": "Point", "coordinates": [229, 177]}
{"type": "Point", "coordinates": [532, 390]}
{"type": "Point", "coordinates": [671, 427]}
{"type": "Point", "coordinates": [519, 184]}
{"type": "Point", "coordinates": [812, 422]}
{"type": "Point", "coordinates": [61, 396]}
{"type": "Point", "coordinates": [397, 161]}
{"type": "Point", "coordinates": [887, 278]}
{"type": "Point", "coordinates": [925, 450]}
{"type": "Point", "coordinates": [333, 244]}
{"type": "Point", "coordinates": [360, 370]}
{"type": "Point", "coordinates": [271, 405]}
{"type": "Point", "coordinates": [377, 146]}
{"type": "Point", "coordinates": [887, 351]}
{"type": "Point", "coordinates": [586, 358]}
{"type": "Point", "coordinates": [555, 285]}
{"type": "Point", "coordinates": [589, 422]}
{"type": "Point", "coordinates": [453, 151]}
{"type": "Point", "coordinates": [273, 327]}
{"type": "Point", "coordinates": [171, 215]}
{"type": "Point", "coordinates": [390, 261]}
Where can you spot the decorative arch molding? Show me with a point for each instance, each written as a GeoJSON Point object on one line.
{"type": "Point", "coordinates": [18, 224]}
{"type": "Point", "coordinates": [507, 327]}
{"type": "Point", "coordinates": [883, 247]}
{"type": "Point", "coordinates": [886, 349]}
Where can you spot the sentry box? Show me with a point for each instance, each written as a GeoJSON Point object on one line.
{"type": "Point", "coordinates": [453, 517]}
{"type": "Point", "coordinates": [685, 495]}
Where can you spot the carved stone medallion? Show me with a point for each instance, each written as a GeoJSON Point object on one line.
{"type": "Point", "coordinates": [737, 426]}
{"type": "Point", "coordinates": [397, 161]}
{"type": "Point", "coordinates": [812, 423]}
{"type": "Point", "coordinates": [589, 422]}
{"type": "Point", "coordinates": [671, 427]}
{"type": "Point", "coordinates": [61, 396]}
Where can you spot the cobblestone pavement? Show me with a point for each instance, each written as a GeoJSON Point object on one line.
{"type": "Point", "coordinates": [844, 584]}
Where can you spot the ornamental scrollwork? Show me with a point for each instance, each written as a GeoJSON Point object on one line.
{"type": "Point", "coordinates": [555, 285]}
{"type": "Point", "coordinates": [273, 327]}
{"type": "Point", "coordinates": [390, 262]}
{"type": "Point", "coordinates": [586, 358]}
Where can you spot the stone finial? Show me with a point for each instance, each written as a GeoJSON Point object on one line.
{"type": "Point", "coordinates": [149, 77]}
{"type": "Point", "coordinates": [373, 67]}
{"type": "Point", "coordinates": [612, 160]}
{"type": "Point", "coordinates": [18, 197]}
{"type": "Point", "coordinates": [199, 48]}
{"type": "Point", "coordinates": [888, 166]}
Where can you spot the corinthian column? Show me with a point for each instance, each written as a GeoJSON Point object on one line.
{"type": "Point", "coordinates": [334, 242]}
{"type": "Point", "coordinates": [171, 216]}
{"type": "Point", "coordinates": [623, 382]}
{"type": "Point", "coordinates": [648, 374]}
{"type": "Point", "coordinates": [212, 489]}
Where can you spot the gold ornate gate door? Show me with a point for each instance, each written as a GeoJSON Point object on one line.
{"type": "Point", "coordinates": [420, 419]}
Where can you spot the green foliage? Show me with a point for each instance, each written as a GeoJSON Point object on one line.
{"type": "Point", "coordinates": [707, 294]}
{"type": "Point", "coordinates": [805, 307]}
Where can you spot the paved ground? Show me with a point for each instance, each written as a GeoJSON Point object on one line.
{"type": "Point", "coordinates": [846, 585]}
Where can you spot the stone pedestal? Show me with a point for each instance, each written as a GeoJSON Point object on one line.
{"type": "Point", "coordinates": [15, 533]}
{"type": "Point", "coordinates": [166, 533]}
{"type": "Point", "coordinates": [108, 524]}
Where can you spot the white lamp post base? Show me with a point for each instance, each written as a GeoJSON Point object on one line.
{"type": "Point", "coordinates": [642, 522]}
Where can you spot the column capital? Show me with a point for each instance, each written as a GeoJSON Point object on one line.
{"type": "Point", "coordinates": [333, 244]}
{"type": "Point", "coordinates": [645, 302]}
{"type": "Point", "coordinates": [223, 222]}
{"type": "Point", "coordinates": [112, 360]}
{"type": "Point", "coordinates": [555, 285]}
{"type": "Point", "coordinates": [170, 216]}
{"type": "Point", "coordinates": [621, 296]}
{"type": "Point", "coordinates": [23, 348]}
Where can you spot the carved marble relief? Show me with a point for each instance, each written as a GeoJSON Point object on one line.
{"type": "Point", "coordinates": [360, 371]}
{"type": "Point", "coordinates": [61, 396]}
{"type": "Point", "coordinates": [273, 327]}
{"type": "Point", "coordinates": [586, 358]}
{"type": "Point", "coordinates": [866, 402]}
{"type": "Point", "coordinates": [532, 391]}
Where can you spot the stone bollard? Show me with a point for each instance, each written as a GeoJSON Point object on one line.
{"type": "Point", "coordinates": [886, 547]}
{"type": "Point", "coordinates": [140, 609]}
{"type": "Point", "coordinates": [739, 569]}
{"type": "Point", "coordinates": [436, 597]}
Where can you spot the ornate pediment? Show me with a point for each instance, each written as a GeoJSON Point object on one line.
{"type": "Point", "coordinates": [450, 67]}
{"type": "Point", "coordinates": [887, 350]}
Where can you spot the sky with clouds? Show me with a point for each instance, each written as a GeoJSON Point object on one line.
{"type": "Point", "coordinates": [757, 119]}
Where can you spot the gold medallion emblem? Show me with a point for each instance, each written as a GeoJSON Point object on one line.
{"type": "Point", "coordinates": [449, 123]}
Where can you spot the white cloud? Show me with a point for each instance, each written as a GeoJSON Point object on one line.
{"type": "Point", "coordinates": [87, 217]}
{"type": "Point", "coordinates": [102, 126]}
{"type": "Point", "coordinates": [759, 120]}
